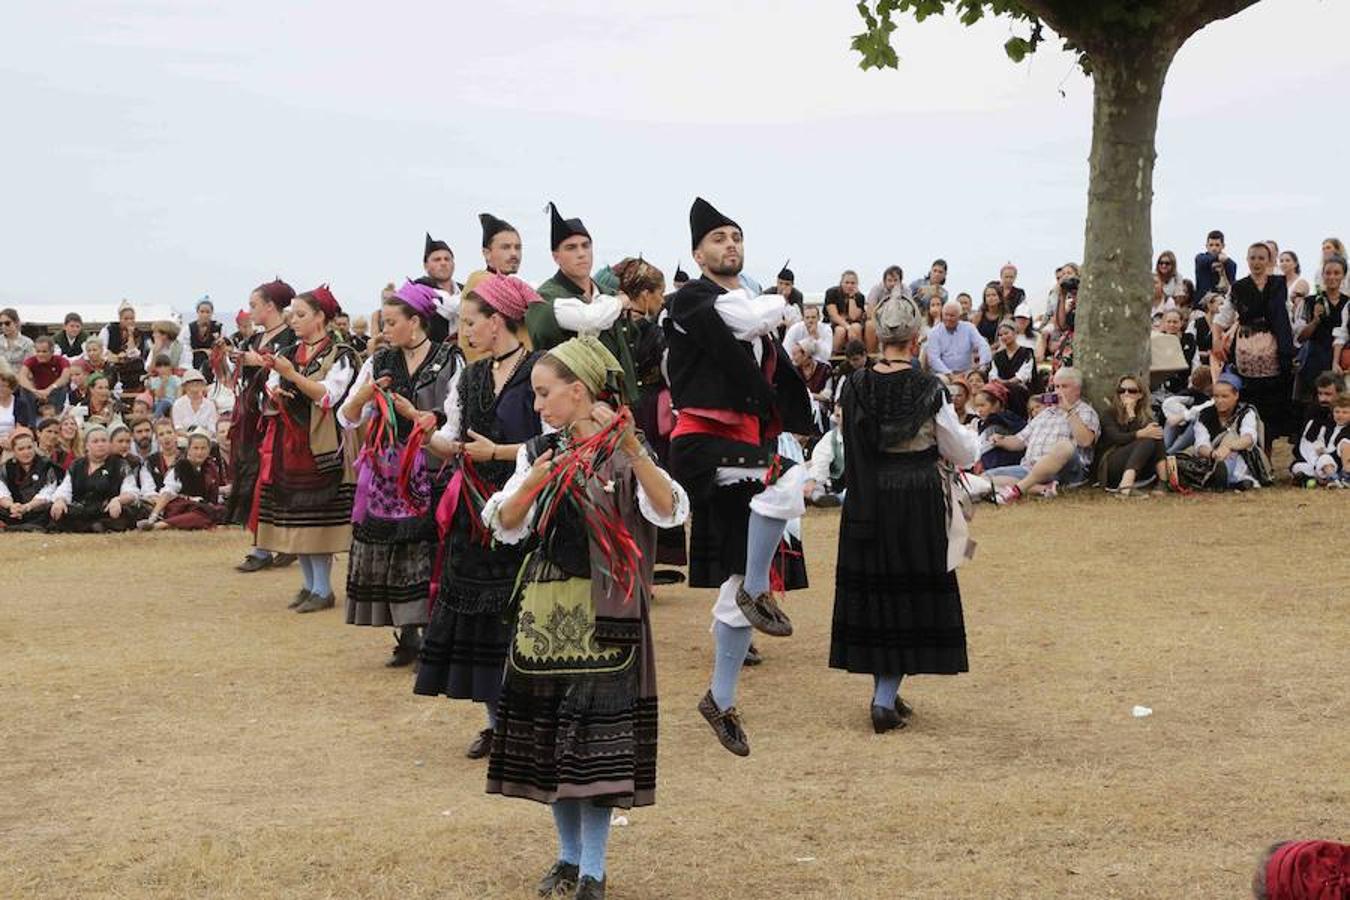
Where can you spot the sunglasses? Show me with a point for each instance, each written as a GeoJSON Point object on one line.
{"type": "Point", "coordinates": [1128, 390]}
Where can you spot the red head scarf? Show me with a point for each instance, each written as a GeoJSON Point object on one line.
{"type": "Point", "coordinates": [326, 301]}
{"type": "Point", "coordinates": [277, 292]}
{"type": "Point", "coordinates": [240, 316]}
{"type": "Point", "coordinates": [1309, 870]}
{"type": "Point", "coordinates": [506, 294]}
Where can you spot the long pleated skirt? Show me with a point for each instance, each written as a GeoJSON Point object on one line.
{"type": "Point", "coordinates": [897, 610]}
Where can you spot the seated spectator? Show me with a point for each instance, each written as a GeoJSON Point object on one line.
{"type": "Point", "coordinates": [966, 303]}
{"type": "Point", "coordinates": [992, 313]}
{"type": "Point", "coordinates": [1317, 321]}
{"type": "Point", "coordinates": [1229, 435]}
{"type": "Point", "coordinates": [100, 408]}
{"type": "Point", "coordinates": [847, 312]}
{"type": "Point", "coordinates": [93, 494]}
{"type": "Point", "coordinates": [120, 446]}
{"type": "Point", "coordinates": [1056, 445]}
{"type": "Point", "coordinates": [994, 419]}
{"type": "Point", "coordinates": [190, 499]}
{"type": "Point", "coordinates": [955, 347]}
{"type": "Point", "coordinates": [194, 409]}
{"type": "Point", "coordinates": [1180, 410]}
{"type": "Point", "coordinates": [48, 438]}
{"type": "Point", "coordinates": [70, 342]}
{"type": "Point", "coordinates": [96, 359]}
{"type": "Point", "coordinates": [164, 342]}
{"type": "Point", "coordinates": [70, 441]}
{"type": "Point", "coordinates": [44, 375]}
{"type": "Point", "coordinates": [934, 317]}
{"type": "Point", "coordinates": [812, 335]}
{"type": "Point", "coordinates": [892, 278]}
{"type": "Point", "coordinates": [1013, 361]}
{"type": "Point", "coordinates": [163, 385]}
{"type": "Point", "coordinates": [1130, 449]}
{"type": "Point", "coordinates": [142, 437]}
{"type": "Point", "coordinates": [360, 334]}
{"type": "Point", "coordinates": [1026, 330]}
{"type": "Point", "coordinates": [1165, 271]}
{"type": "Point", "coordinates": [1303, 870]}
{"type": "Point", "coordinates": [203, 335]}
{"type": "Point", "coordinates": [1011, 295]}
{"type": "Point", "coordinates": [824, 486]}
{"type": "Point", "coordinates": [960, 396]}
{"type": "Point", "coordinates": [15, 346]}
{"type": "Point", "coordinates": [855, 358]}
{"type": "Point", "coordinates": [932, 286]}
{"type": "Point", "coordinates": [1161, 302]}
{"type": "Point", "coordinates": [27, 482]}
{"type": "Point", "coordinates": [167, 452]}
{"type": "Point", "coordinates": [1321, 453]}
{"type": "Point", "coordinates": [817, 379]}
{"type": "Point", "coordinates": [16, 410]}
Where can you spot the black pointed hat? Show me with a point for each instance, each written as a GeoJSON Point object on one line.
{"type": "Point", "coordinates": [680, 276]}
{"type": "Point", "coordinates": [433, 245]}
{"type": "Point", "coordinates": [703, 218]}
{"type": "Point", "coordinates": [493, 226]}
{"type": "Point", "coordinates": [563, 229]}
{"type": "Point", "coordinates": [785, 274]}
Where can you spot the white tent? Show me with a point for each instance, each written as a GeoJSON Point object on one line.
{"type": "Point", "coordinates": [53, 314]}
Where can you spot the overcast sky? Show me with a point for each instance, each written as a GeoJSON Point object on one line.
{"type": "Point", "coordinates": [163, 149]}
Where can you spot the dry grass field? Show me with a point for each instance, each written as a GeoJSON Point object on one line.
{"type": "Point", "coordinates": [169, 730]}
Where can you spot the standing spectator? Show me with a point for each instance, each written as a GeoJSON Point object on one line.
{"type": "Point", "coordinates": [360, 334]}
{"type": "Point", "coordinates": [956, 347]}
{"type": "Point", "coordinates": [1161, 302]}
{"type": "Point", "coordinates": [1012, 360]}
{"type": "Point", "coordinates": [1171, 324]}
{"type": "Point", "coordinates": [992, 312]}
{"type": "Point", "coordinates": [1318, 320]}
{"type": "Point", "coordinates": [194, 408]}
{"type": "Point", "coordinates": [1332, 246]}
{"type": "Point", "coordinates": [16, 410]}
{"type": "Point", "coordinates": [203, 334]}
{"type": "Point", "coordinates": [812, 335]}
{"type": "Point", "coordinates": [15, 347]}
{"type": "Point", "coordinates": [1130, 449]}
{"type": "Point", "coordinates": [1259, 340]}
{"type": "Point", "coordinates": [1296, 286]}
{"type": "Point", "coordinates": [931, 286]}
{"type": "Point", "coordinates": [70, 342]}
{"type": "Point", "coordinates": [847, 311]}
{"type": "Point", "coordinates": [1166, 270]}
{"type": "Point", "coordinates": [164, 386]}
{"type": "Point", "coordinates": [1213, 267]}
{"type": "Point", "coordinates": [1229, 435]}
{"type": "Point", "coordinates": [45, 375]}
{"type": "Point", "coordinates": [1057, 443]}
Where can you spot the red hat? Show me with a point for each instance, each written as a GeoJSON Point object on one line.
{"type": "Point", "coordinates": [326, 301]}
{"type": "Point", "coordinates": [998, 390]}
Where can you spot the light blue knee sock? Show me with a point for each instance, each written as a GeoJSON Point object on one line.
{"type": "Point", "coordinates": [761, 544]}
{"type": "Point", "coordinates": [594, 839]}
{"type": "Point", "coordinates": [567, 820]}
{"type": "Point", "coordinates": [307, 572]}
{"type": "Point", "coordinates": [886, 689]}
{"type": "Point", "coordinates": [321, 564]}
{"type": "Point", "coordinates": [260, 553]}
{"type": "Point", "coordinates": [731, 644]}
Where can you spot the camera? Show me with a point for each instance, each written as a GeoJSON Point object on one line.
{"type": "Point", "coordinates": [1050, 399]}
{"type": "Point", "coordinates": [1069, 285]}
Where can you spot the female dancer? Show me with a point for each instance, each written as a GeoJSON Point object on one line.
{"type": "Point", "coordinates": [399, 397]}
{"type": "Point", "coordinates": [897, 606]}
{"type": "Point", "coordinates": [489, 415]}
{"type": "Point", "coordinates": [305, 480]}
{"type": "Point", "coordinates": [577, 716]}
{"type": "Point", "coordinates": [266, 305]}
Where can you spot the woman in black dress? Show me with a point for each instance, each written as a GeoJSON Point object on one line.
{"type": "Point", "coordinates": [202, 337]}
{"type": "Point", "coordinates": [490, 415]}
{"type": "Point", "coordinates": [897, 606]}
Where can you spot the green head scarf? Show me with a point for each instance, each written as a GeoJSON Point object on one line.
{"type": "Point", "coordinates": [589, 360]}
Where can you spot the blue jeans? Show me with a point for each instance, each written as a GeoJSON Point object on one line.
{"type": "Point", "coordinates": [163, 407]}
{"type": "Point", "coordinates": [1074, 471]}
{"type": "Point", "coordinates": [1177, 438]}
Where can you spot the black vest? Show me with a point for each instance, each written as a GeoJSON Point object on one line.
{"type": "Point", "coordinates": [25, 485]}
{"type": "Point", "coordinates": [99, 486]}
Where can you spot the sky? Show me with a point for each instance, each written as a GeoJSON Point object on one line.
{"type": "Point", "coordinates": [160, 150]}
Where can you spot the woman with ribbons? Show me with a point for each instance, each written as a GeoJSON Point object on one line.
{"type": "Point", "coordinates": [399, 399]}
{"type": "Point", "coordinates": [306, 480]}
{"type": "Point", "coordinates": [488, 415]}
{"type": "Point", "coordinates": [577, 719]}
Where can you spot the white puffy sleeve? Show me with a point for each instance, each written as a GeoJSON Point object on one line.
{"type": "Point", "coordinates": [363, 377]}
{"type": "Point", "coordinates": [172, 488]}
{"type": "Point", "coordinates": [145, 483]}
{"type": "Point", "coordinates": [65, 491]}
{"type": "Point", "coordinates": [4, 491]}
{"type": "Point", "coordinates": [336, 382]}
{"type": "Point", "coordinates": [678, 513]}
{"type": "Point", "coordinates": [492, 509]}
{"type": "Point", "coordinates": [958, 444]}
{"type": "Point", "coordinates": [576, 315]}
{"type": "Point", "coordinates": [1202, 437]}
{"type": "Point", "coordinates": [453, 414]}
{"type": "Point", "coordinates": [750, 317]}
{"type": "Point", "coordinates": [1341, 334]}
{"type": "Point", "coordinates": [131, 484]}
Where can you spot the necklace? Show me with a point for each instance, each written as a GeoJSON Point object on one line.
{"type": "Point", "coordinates": [498, 360]}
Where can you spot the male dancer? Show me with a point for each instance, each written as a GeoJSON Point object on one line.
{"type": "Point", "coordinates": [501, 245]}
{"type": "Point", "coordinates": [439, 262]}
{"type": "Point", "coordinates": [574, 304]}
{"type": "Point", "coordinates": [736, 391]}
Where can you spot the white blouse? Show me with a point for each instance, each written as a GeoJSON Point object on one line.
{"type": "Point", "coordinates": [65, 491]}
{"type": "Point", "coordinates": [513, 485]}
{"type": "Point", "coordinates": [335, 383]}
{"type": "Point", "coordinates": [204, 416]}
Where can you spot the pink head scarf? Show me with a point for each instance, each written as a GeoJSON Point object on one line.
{"type": "Point", "coordinates": [506, 294]}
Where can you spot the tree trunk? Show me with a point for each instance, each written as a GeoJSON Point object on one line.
{"type": "Point", "coordinates": [1112, 322]}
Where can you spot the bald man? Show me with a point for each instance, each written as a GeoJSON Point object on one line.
{"type": "Point", "coordinates": [956, 347]}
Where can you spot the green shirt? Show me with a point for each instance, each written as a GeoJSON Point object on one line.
{"type": "Point", "coordinates": [546, 333]}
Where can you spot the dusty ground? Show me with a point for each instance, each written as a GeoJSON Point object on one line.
{"type": "Point", "coordinates": [168, 730]}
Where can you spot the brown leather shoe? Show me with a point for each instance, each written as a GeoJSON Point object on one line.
{"type": "Point", "coordinates": [300, 597]}
{"type": "Point", "coordinates": [753, 657]}
{"type": "Point", "coordinates": [885, 718]}
{"type": "Point", "coordinates": [481, 746]}
{"type": "Point", "coordinates": [590, 889]}
{"type": "Point", "coordinates": [316, 603]}
{"type": "Point", "coordinates": [903, 709]}
{"type": "Point", "coordinates": [764, 613]}
{"type": "Point", "coordinates": [561, 879]}
{"type": "Point", "coordinates": [726, 724]}
{"type": "Point", "coordinates": [281, 560]}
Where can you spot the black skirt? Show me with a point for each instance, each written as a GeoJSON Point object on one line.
{"type": "Point", "coordinates": [897, 610]}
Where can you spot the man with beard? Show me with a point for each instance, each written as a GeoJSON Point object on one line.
{"type": "Point", "coordinates": [736, 391]}
{"type": "Point", "coordinates": [439, 262]}
{"type": "Point", "coordinates": [574, 304]}
{"type": "Point", "coordinates": [501, 245]}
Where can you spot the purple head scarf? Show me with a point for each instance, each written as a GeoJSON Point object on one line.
{"type": "Point", "coordinates": [420, 297]}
